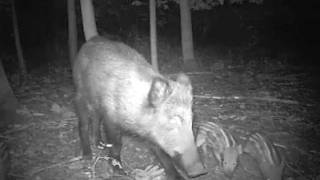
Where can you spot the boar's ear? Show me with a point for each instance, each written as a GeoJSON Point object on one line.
{"type": "Point", "coordinates": [159, 91]}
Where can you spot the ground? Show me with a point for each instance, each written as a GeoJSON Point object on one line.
{"type": "Point", "coordinates": [276, 99]}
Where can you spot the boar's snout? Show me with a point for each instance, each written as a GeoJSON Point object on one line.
{"type": "Point", "coordinates": [196, 170]}
{"type": "Point", "coordinates": [191, 163]}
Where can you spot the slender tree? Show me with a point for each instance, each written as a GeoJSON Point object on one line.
{"type": "Point", "coordinates": [88, 19]}
{"type": "Point", "coordinates": [21, 61]}
{"type": "Point", "coordinates": [186, 36]}
{"type": "Point", "coordinates": [72, 27]}
{"type": "Point", "coordinates": [186, 24]}
{"type": "Point", "coordinates": [153, 34]}
{"type": "Point", "coordinates": [8, 102]}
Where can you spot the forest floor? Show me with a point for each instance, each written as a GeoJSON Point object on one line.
{"type": "Point", "coordinates": [278, 100]}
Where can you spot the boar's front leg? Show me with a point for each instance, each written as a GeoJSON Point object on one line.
{"type": "Point", "coordinates": [113, 136]}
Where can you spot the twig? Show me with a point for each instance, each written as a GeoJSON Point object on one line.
{"type": "Point", "coordinates": [70, 119]}
{"type": "Point", "coordinates": [54, 165]}
{"type": "Point", "coordinates": [6, 138]}
{"type": "Point", "coordinates": [199, 73]}
{"type": "Point", "coordinates": [192, 73]}
{"type": "Point", "coordinates": [288, 77]}
{"type": "Point", "coordinates": [17, 175]}
{"type": "Point", "coordinates": [16, 129]}
{"type": "Point", "coordinates": [268, 99]}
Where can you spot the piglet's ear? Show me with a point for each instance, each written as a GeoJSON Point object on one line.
{"type": "Point", "coordinates": [159, 91]}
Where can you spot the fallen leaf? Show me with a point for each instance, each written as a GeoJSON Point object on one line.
{"type": "Point", "coordinates": [56, 108]}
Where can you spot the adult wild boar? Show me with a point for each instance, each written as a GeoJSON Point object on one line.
{"type": "Point", "coordinates": [116, 85]}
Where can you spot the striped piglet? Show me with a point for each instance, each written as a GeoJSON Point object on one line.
{"type": "Point", "coordinates": [270, 161]}
{"type": "Point", "coordinates": [224, 147]}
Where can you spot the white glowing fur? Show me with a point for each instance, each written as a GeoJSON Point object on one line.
{"type": "Point", "coordinates": [125, 86]}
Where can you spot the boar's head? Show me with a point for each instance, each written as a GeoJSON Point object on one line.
{"type": "Point", "coordinates": [172, 106]}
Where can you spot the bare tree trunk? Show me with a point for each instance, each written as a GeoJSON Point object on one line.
{"type": "Point", "coordinates": [8, 102]}
{"type": "Point", "coordinates": [72, 27]}
{"type": "Point", "coordinates": [186, 36]}
{"type": "Point", "coordinates": [153, 34]}
{"type": "Point", "coordinates": [88, 19]}
{"type": "Point", "coordinates": [21, 61]}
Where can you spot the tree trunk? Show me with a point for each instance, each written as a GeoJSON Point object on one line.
{"type": "Point", "coordinates": [186, 37]}
{"type": "Point", "coordinates": [72, 27]}
{"type": "Point", "coordinates": [88, 19]}
{"type": "Point", "coordinates": [21, 61]}
{"type": "Point", "coordinates": [153, 35]}
{"type": "Point", "coordinates": [8, 102]}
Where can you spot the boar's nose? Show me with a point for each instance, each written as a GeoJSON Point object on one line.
{"type": "Point", "coordinates": [197, 170]}
{"type": "Point", "coordinates": [228, 173]}
{"type": "Point", "coordinates": [191, 162]}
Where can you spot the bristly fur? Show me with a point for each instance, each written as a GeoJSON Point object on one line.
{"type": "Point", "coordinates": [115, 85]}
{"type": "Point", "coordinates": [270, 161]}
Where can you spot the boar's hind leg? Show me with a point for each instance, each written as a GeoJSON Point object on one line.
{"type": "Point", "coordinates": [166, 162]}
{"type": "Point", "coordinates": [83, 116]}
{"type": "Point", "coordinates": [113, 136]}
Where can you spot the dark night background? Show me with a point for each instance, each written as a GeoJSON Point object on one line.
{"type": "Point", "coordinates": [276, 26]}
{"type": "Point", "coordinates": [259, 71]}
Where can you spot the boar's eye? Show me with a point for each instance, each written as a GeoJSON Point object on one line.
{"type": "Point", "coordinates": [176, 121]}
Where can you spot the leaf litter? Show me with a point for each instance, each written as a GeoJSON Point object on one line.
{"type": "Point", "coordinates": [45, 144]}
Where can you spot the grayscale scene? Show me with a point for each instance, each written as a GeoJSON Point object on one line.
{"type": "Point", "coordinates": [159, 90]}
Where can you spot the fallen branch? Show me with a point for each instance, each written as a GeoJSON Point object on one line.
{"type": "Point", "coordinates": [17, 176]}
{"type": "Point", "coordinates": [268, 99]}
{"type": "Point", "coordinates": [7, 138]}
{"type": "Point", "coordinates": [13, 130]}
{"type": "Point", "coordinates": [192, 73]}
{"type": "Point", "coordinates": [199, 73]}
{"type": "Point", "coordinates": [54, 165]}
